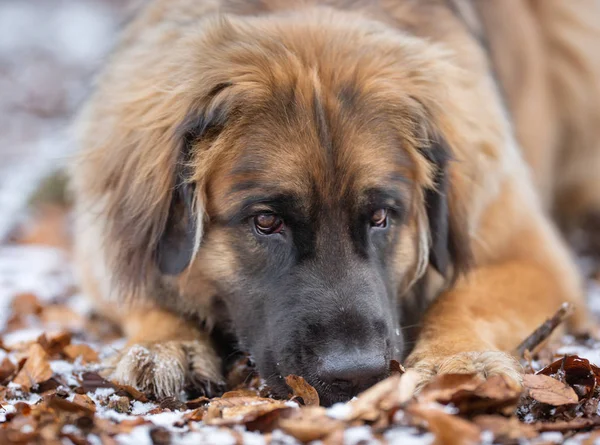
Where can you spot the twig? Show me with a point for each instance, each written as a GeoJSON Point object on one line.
{"type": "Point", "coordinates": [545, 330]}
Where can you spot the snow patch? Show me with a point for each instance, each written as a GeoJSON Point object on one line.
{"type": "Point", "coordinates": [408, 436]}
{"type": "Point", "coordinates": [339, 411]}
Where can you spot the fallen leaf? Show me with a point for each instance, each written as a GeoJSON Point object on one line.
{"type": "Point", "coordinates": [240, 393]}
{"type": "Point", "coordinates": [495, 395]}
{"type": "Point", "coordinates": [87, 354]}
{"type": "Point", "coordinates": [197, 403]}
{"type": "Point", "coordinates": [447, 428]}
{"type": "Point", "coordinates": [54, 343]}
{"type": "Point", "coordinates": [309, 424]}
{"type": "Point", "coordinates": [131, 392]}
{"type": "Point", "coordinates": [443, 387]}
{"type": "Point", "coordinates": [303, 389]}
{"type": "Point", "coordinates": [547, 390]}
{"type": "Point", "coordinates": [505, 429]}
{"type": "Point", "coordinates": [366, 406]}
{"type": "Point", "coordinates": [240, 410]}
{"type": "Point", "coordinates": [61, 404]}
{"type": "Point", "coordinates": [577, 372]}
{"type": "Point", "coordinates": [26, 304]}
{"type": "Point", "coordinates": [7, 369]}
{"type": "Point", "coordinates": [567, 426]}
{"type": "Point", "coordinates": [91, 381]}
{"type": "Point", "coordinates": [36, 368]}
{"type": "Point", "coordinates": [85, 401]}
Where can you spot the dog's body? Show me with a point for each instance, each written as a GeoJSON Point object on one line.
{"type": "Point", "coordinates": [325, 180]}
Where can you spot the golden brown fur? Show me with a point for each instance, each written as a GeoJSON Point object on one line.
{"type": "Point", "coordinates": [434, 69]}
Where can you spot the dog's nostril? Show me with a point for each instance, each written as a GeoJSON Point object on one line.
{"type": "Point", "coordinates": [352, 374]}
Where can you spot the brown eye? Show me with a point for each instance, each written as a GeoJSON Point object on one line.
{"type": "Point", "coordinates": [379, 218]}
{"type": "Point", "coordinates": [268, 223]}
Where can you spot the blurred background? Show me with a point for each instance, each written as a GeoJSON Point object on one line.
{"type": "Point", "coordinates": [49, 53]}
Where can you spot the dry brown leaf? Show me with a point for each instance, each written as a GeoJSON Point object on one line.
{"type": "Point", "coordinates": [132, 392]}
{"type": "Point", "coordinates": [61, 404]}
{"type": "Point", "coordinates": [495, 395]}
{"type": "Point", "coordinates": [310, 423]}
{"type": "Point", "coordinates": [240, 410]}
{"type": "Point", "coordinates": [577, 372]}
{"type": "Point", "coordinates": [7, 369]}
{"type": "Point", "coordinates": [26, 304]}
{"type": "Point", "coordinates": [366, 406]}
{"type": "Point", "coordinates": [36, 368]}
{"type": "Point", "coordinates": [54, 343]}
{"type": "Point", "coordinates": [85, 401]}
{"type": "Point", "coordinates": [505, 428]}
{"type": "Point", "coordinates": [240, 393]}
{"type": "Point", "coordinates": [444, 386]}
{"type": "Point", "coordinates": [87, 354]}
{"type": "Point", "coordinates": [545, 389]}
{"type": "Point", "coordinates": [303, 389]}
{"type": "Point", "coordinates": [447, 428]}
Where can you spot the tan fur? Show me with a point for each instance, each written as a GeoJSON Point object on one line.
{"type": "Point", "coordinates": [422, 64]}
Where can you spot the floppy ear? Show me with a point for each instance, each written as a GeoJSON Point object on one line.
{"type": "Point", "coordinates": [450, 244]}
{"type": "Point", "coordinates": [181, 235]}
{"type": "Point", "coordinates": [133, 180]}
{"type": "Point", "coordinates": [175, 247]}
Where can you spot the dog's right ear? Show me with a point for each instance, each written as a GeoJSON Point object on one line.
{"type": "Point", "coordinates": [137, 179]}
{"type": "Point", "coordinates": [181, 235]}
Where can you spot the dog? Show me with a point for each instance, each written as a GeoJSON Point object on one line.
{"type": "Point", "coordinates": [330, 185]}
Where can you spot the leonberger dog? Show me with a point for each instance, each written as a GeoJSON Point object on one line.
{"type": "Point", "coordinates": [332, 184]}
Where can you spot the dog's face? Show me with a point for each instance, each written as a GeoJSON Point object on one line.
{"type": "Point", "coordinates": [311, 191]}
{"type": "Point", "coordinates": [312, 213]}
{"type": "Point", "coordinates": [314, 231]}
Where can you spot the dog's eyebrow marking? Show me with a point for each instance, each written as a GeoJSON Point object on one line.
{"type": "Point", "coordinates": [282, 203]}
{"type": "Point", "coordinates": [388, 197]}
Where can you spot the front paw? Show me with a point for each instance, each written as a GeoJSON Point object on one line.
{"type": "Point", "coordinates": [165, 369]}
{"type": "Point", "coordinates": [484, 364]}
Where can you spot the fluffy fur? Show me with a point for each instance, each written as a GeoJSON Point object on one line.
{"type": "Point", "coordinates": [468, 126]}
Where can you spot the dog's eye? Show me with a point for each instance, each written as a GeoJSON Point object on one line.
{"type": "Point", "coordinates": [379, 218]}
{"type": "Point", "coordinates": [268, 223]}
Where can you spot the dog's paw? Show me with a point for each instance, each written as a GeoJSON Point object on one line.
{"type": "Point", "coordinates": [166, 369]}
{"type": "Point", "coordinates": [483, 364]}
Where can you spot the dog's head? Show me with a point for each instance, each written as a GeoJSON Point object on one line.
{"type": "Point", "coordinates": [303, 178]}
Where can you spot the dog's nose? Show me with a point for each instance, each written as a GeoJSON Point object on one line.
{"type": "Point", "coordinates": [350, 374]}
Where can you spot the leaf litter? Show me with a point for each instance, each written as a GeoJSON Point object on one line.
{"type": "Point", "coordinates": [52, 391]}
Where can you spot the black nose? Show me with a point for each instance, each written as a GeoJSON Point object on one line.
{"type": "Point", "coordinates": [349, 374]}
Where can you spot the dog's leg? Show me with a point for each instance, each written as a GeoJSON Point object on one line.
{"type": "Point", "coordinates": [165, 354]}
{"type": "Point", "coordinates": [523, 276]}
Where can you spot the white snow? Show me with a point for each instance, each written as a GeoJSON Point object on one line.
{"type": "Point", "coordinates": [43, 271]}
{"type": "Point", "coordinates": [359, 435]}
{"type": "Point", "coordinates": [339, 411]}
{"type": "Point", "coordinates": [138, 407]}
{"type": "Point", "coordinates": [408, 436]}
{"type": "Point", "coordinates": [138, 436]}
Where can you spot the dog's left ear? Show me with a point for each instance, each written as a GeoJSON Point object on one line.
{"type": "Point", "coordinates": [448, 228]}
